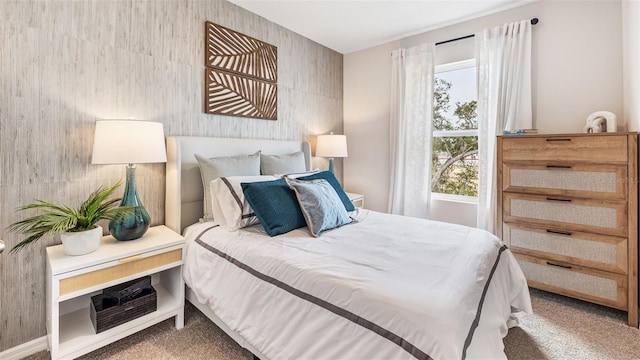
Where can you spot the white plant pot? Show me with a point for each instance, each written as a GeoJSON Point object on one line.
{"type": "Point", "coordinates": [82, 242]}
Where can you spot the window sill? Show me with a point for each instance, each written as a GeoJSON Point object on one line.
{"type": "Point", "coordinates": [455, 198]}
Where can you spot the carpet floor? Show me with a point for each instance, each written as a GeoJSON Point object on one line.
{"type": "Point", "coordinates": [561, 328]}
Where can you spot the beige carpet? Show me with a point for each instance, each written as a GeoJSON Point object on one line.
{"type": "Point", "coordinates": [564, 328]}
{"type": "Point", "coordinates": [561, 328]}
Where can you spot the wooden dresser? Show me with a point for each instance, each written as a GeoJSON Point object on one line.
{"type": "Point", "coordinates": [568, 210]}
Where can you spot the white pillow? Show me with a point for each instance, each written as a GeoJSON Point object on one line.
{"type": "Point", "coordinates": [216, 211]}
{"type": "Point", "coordinates": [210, 169]}
{"type": "Point", "coordinates": [282, 164]}
{"type": "Point", "coordinates": [230, 208]}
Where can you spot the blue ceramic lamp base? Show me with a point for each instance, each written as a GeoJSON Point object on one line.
{"type": "Point", "coordinates": [331, 165]}
{"type": "Point", "coordinates": [133, 226]}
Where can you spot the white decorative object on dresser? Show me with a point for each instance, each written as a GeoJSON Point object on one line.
{"type": "Point", "coordinates": [568, 210]}
{"type": "Point", "coordinates": [72, 280]}
{"type": "Point", "coordinates": [356, 199]}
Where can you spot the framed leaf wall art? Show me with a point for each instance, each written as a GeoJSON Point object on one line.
{"type": "Point", "coordinates": [241, 75]}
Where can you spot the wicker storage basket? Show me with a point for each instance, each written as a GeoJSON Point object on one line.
{"type": "Point", "coordinates": [106, 313]}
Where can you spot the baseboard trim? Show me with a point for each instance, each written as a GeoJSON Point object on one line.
{"type": "Point", "coordinates": [23, 350]}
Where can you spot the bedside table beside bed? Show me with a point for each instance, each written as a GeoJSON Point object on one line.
{"type": "Point", "coordinates": [72, 280]}
{"type": "Point", "coordinates": [356, 199]}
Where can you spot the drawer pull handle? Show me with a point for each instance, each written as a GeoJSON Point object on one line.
{"type": "Point", "coordinates": [559, 139]}
{"type": "Point", "coordinates": [568, 233]}
{"type": "Point", "coordinates": [558, 166]}
{"type": "Point", "coordinates": [558, 199]}
{"type": "Point", "coordinates": [558, 265]}
{"type": "Point", "coordinates": [130, 258]}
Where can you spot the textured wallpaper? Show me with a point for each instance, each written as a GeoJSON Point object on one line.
{"type": "Point", "coordinates": [66, 64]}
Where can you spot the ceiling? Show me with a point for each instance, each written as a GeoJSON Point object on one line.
{"type": "Point", "coordinates": [351, 25]}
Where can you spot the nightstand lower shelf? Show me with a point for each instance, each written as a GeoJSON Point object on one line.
{"type": "Point", "coordinates": [76, 329]}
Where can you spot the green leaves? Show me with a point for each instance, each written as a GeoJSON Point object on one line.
{"type": "Point", "coordinates": [56, 218]}
{"type": "Point", "coordinates": [453, 169]}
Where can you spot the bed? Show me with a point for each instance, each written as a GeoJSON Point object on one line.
{"type": "Point", "coordinates": [382, 287]}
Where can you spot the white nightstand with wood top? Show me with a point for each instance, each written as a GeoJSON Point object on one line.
{"type": "Point", "coordinates": [72, 280]}
{"type": "Point", "coordinates": [356, 199]}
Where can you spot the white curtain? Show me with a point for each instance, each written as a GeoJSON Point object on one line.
{"type": "Point", "coordinates": [503, 58]}
{"type": "Point", "coordinates": [411, 119]}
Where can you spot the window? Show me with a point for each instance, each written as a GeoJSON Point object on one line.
{"type": "Point", "coordinates": [454, 171]}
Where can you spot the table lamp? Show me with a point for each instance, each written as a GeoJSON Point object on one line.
{"type": "Point", "coordinates": [331, 146]}
{"type": "Point", "coordinates": [129, 142]}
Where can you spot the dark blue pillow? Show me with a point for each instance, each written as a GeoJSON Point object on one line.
{"type": "Point", "coordinates": [328, 175]}
{"type": "Point", "coordinates": [275, 205]}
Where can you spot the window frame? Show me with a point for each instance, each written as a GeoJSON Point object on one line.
{"type": "Point", "coordinates": [456, 65]}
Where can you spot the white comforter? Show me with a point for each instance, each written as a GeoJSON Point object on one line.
{"type": "Point", "coordinates": [386, 287]}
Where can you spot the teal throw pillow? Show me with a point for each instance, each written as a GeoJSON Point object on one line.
{"type": "Point", "coordinates": [275, 205]}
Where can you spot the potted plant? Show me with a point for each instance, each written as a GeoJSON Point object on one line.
{"type": "Point", "coordinates": [78, 228]}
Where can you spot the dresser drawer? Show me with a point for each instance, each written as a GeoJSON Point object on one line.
{"type": "Point", "coordinates": [589, 149]}
{"type": "Point", "coordinates": [606, 217]}
{"type": "Point", "coordinates": [591, 250]}
{"type": "Point", "coordinates": [591, 285]}
{"type": "Point", "coordinates": [120, 269]}
{"type": "Point", "coordinates": [566, 179]}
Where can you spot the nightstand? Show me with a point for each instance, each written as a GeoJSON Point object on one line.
{"type": "Point", "coordinates": [72, 280]}
{"type": "Point", "coordinates": [356, 199]}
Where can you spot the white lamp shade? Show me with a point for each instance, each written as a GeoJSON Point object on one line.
{"type": "Point", "coordinates": [331, 146]}
{"type": "Point", "coordinates": [128, 142]}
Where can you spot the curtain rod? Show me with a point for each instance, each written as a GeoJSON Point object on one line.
{"type": "Point", "coordinates": [533, 22]}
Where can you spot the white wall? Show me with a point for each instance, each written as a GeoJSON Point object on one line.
{"type": "Point", "coordinates": [576, 65]}
{"type": "Point", "coordinates": [367, 78]}
{"type": "Point", "coordinates": [631, 62]}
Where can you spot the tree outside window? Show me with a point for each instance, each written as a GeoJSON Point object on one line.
{"type": "Point", "coordinates": [455, 131]}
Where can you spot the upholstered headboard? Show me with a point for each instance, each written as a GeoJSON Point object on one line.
{"type": "Point", "coordinates": [184, 191]}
